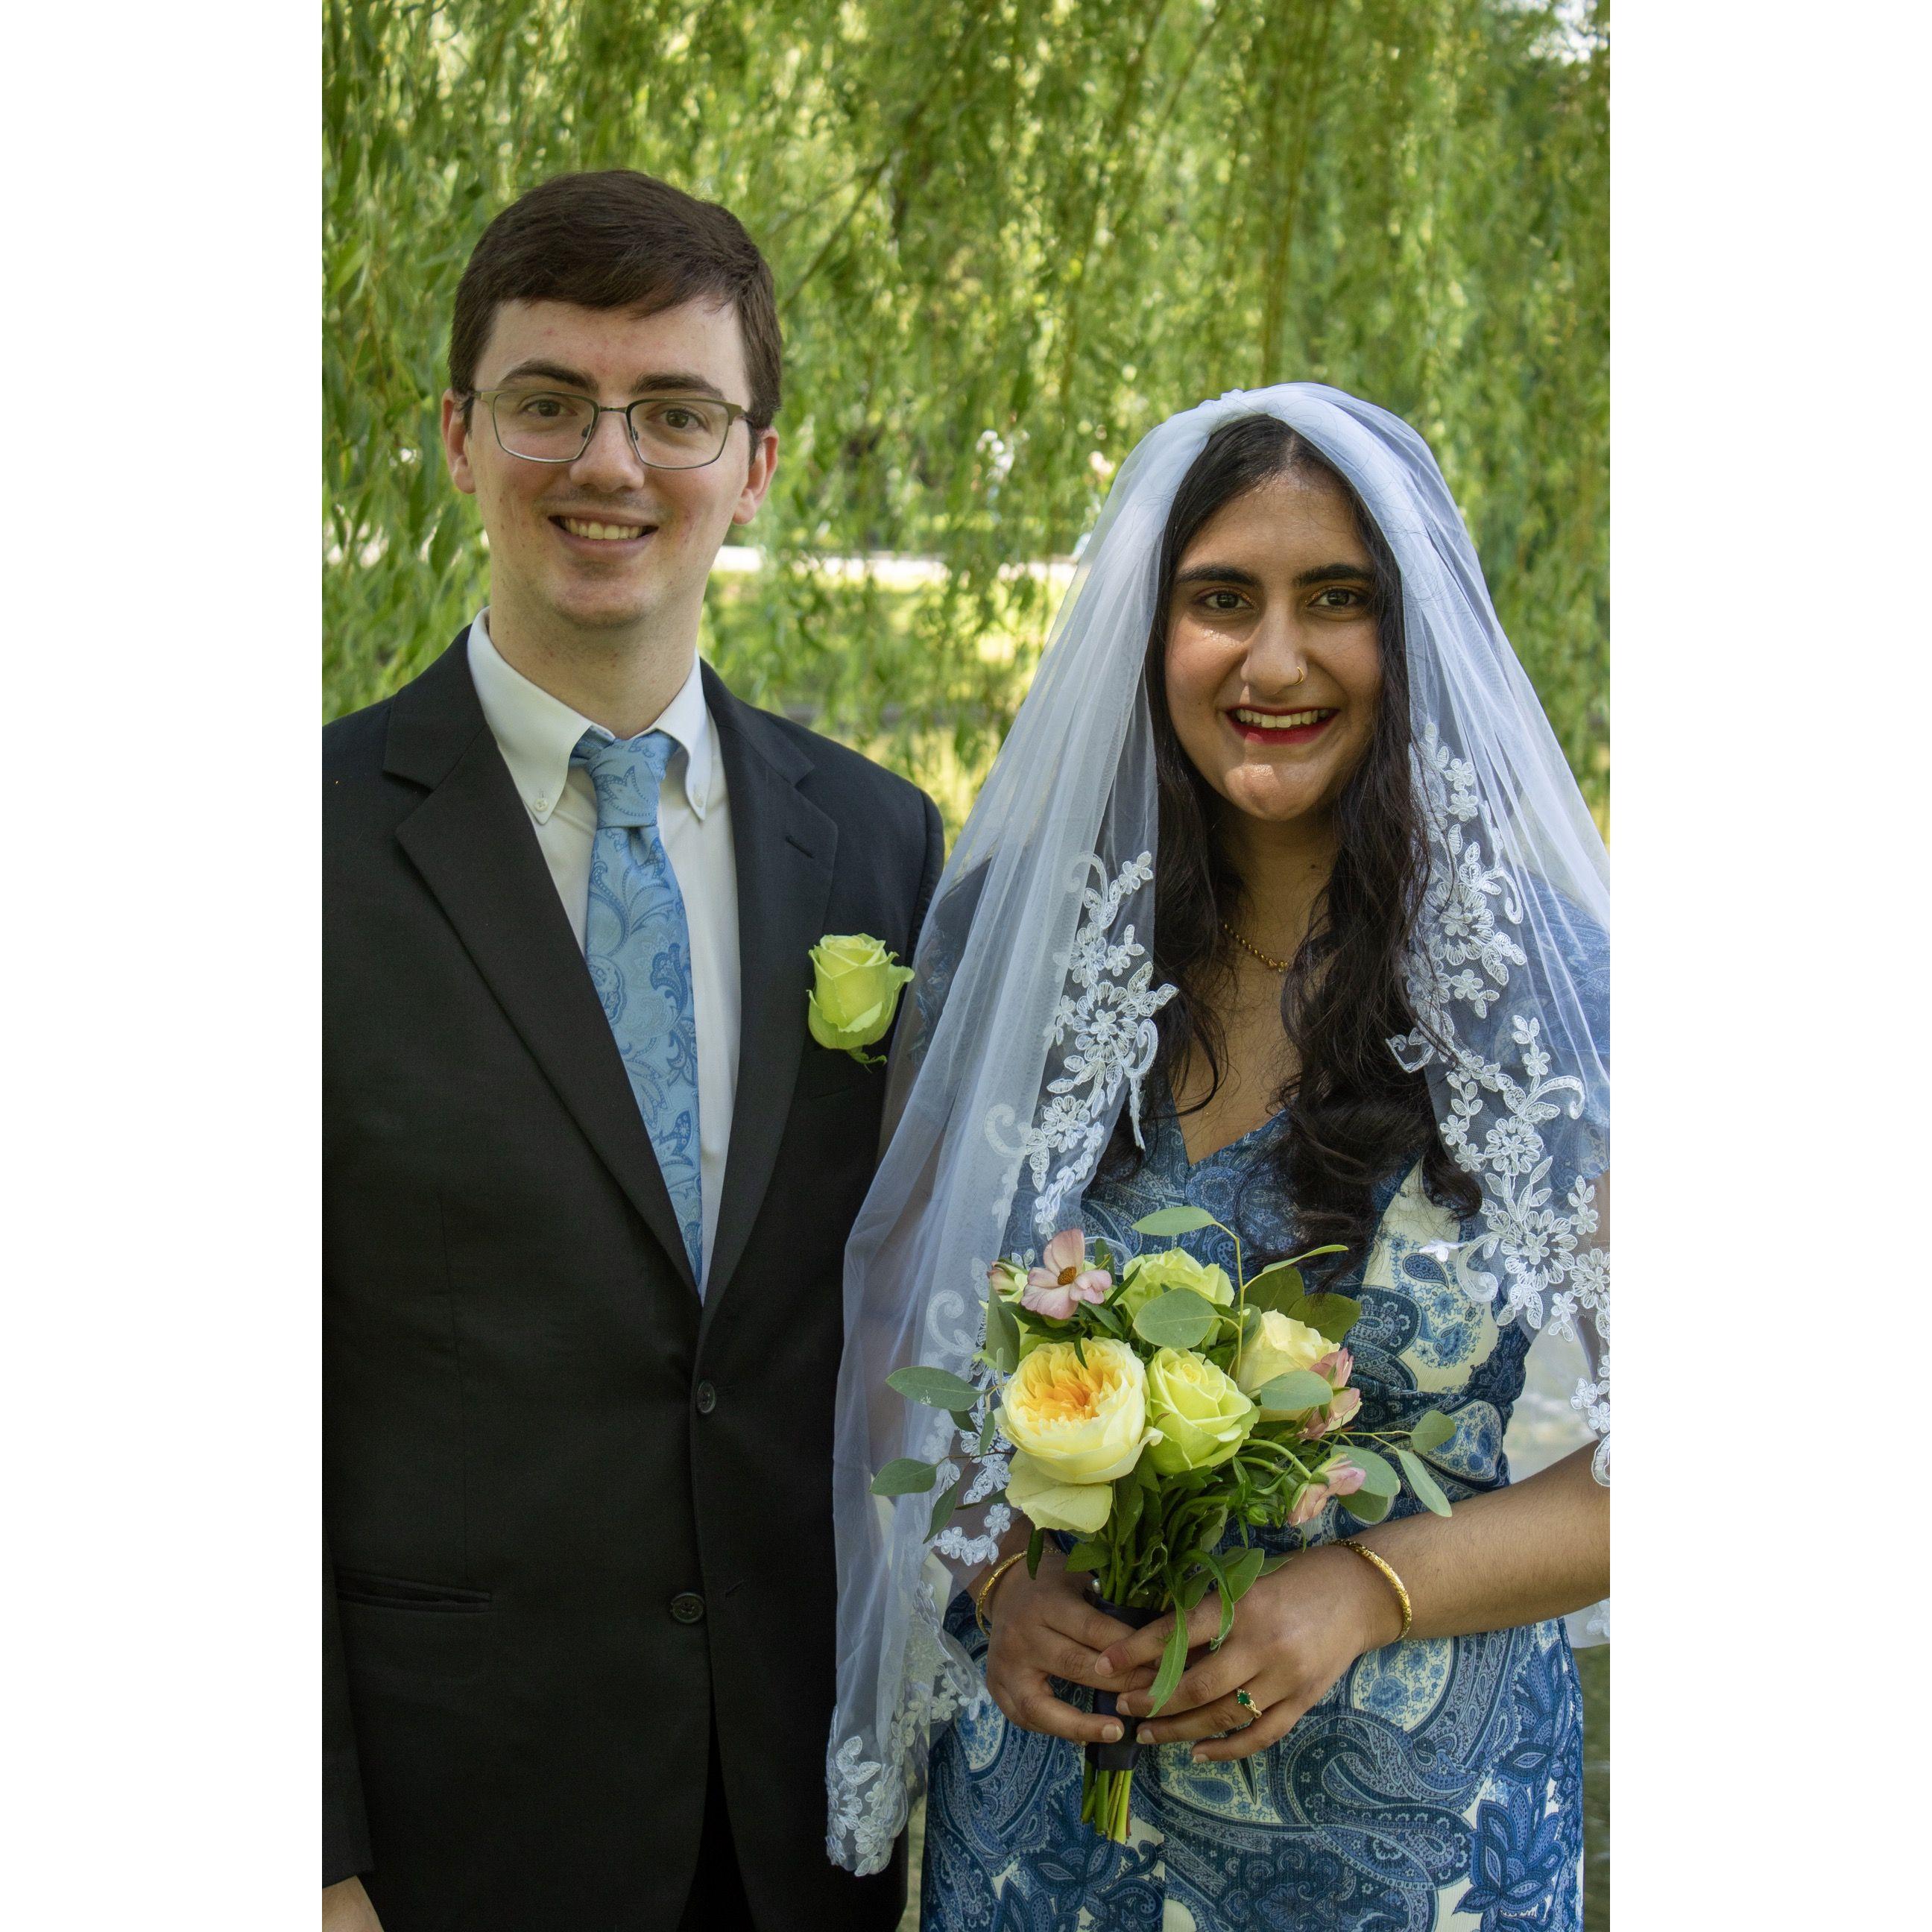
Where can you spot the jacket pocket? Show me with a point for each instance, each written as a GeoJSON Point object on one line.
{"type": "Point", "coordinates": [397, 1593]}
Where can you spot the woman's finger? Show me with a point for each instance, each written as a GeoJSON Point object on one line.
{"type": "Point", "coordinates": [1059, 1656]}
{"type": "Point", "coordinates": [1225, 1713]}
{"type": "Point", "coordinates": [1270, 1727]}
{"type": "Point", "coordinates": [1077, 1618]}
{"type": "Point", "coordinates": [1145, 1646]}
{"type": "Point", "coordinates": [1214, 1674]}
{"type": "Point", "coordinates": [1038, 1709]}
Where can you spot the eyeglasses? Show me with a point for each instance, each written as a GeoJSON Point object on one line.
{"type": "Point", "coordinates": [553, 426]}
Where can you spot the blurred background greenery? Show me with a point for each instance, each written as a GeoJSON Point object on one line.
{"type": "Point", "coordinates": [1010, 237]}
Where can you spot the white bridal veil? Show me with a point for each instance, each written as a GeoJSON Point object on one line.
{"type": "Point", "coordinates": [1030, 1022]}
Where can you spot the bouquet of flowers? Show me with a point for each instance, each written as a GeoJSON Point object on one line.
{"type": "Point", "coordinates": [1150, 1410]}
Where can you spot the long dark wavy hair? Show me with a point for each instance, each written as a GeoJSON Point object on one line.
{"type": "Point", "coordinates": [1354, 1114]}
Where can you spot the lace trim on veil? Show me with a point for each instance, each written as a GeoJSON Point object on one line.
{"type": "Point", "coordinates": [1102, 1031]}
{"type": "Point", "coordinates": [1552, 1268]}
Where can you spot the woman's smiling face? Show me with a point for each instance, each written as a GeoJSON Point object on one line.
{"type": "Point", "coordinates": [1273, 659]}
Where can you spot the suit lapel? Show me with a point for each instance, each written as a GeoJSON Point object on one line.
{"type": "Point", "coordinates": [472, 841]}
{"type": "Point", "coordinates": [784, 846]}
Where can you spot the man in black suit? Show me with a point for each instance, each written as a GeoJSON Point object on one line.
{"type": "Point", "coordinates": [578, 1596]}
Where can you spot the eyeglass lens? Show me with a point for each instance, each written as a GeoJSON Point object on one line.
{"type": "Point", "coordinates": [672, 432]}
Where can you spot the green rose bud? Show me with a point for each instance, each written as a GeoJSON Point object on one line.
{"type": "Point", "coordinates": [1202, 1417]}
{"type": "Point", "coordinates": [854, 994]}
{"type": "Point", "coordinates": [1148, 1275]}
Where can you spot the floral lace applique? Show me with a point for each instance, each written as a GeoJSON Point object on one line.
{"type": "Point", "coordinates": [1102, 1029]}
{"type": "Point", "coordinates": [1496, 1114]}
{"type": "Point", "coordinates": [867, 1810]}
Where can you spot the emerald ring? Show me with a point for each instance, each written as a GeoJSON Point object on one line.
{"type": "Point", "coordinates": [1242, 1698]}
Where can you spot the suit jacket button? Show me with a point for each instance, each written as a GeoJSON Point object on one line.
{"type": "Point", "coordinates": [707, 1398]}
{"type": "Point", "coordinates": [688, 1606]}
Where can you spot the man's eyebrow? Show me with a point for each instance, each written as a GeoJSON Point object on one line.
{"type": "Point", "coordinates": [551, 372]}
{"type": "Point", "coordinates": [676, 383]}
{"type": "Point", "coordinates": [662, 382]}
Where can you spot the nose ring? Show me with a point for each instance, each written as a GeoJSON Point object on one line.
{"type": "Point", "coordinates": [1300, 677]}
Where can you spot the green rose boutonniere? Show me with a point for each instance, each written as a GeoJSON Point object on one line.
{"type": "Point", "coordinates": [855, 993]}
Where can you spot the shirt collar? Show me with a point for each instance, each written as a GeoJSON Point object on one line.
{"type": "Point", "coordinates": [537, 732]}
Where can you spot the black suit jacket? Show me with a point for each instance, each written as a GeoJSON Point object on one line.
{"type": "Point", "coordinates": [573, 1516]}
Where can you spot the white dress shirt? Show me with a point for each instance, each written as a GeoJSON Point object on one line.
{"type": "Point", "coordinates": [536, 734]}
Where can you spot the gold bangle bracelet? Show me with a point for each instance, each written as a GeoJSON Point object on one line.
{"type": "Point", "coordinates": [1395, 1582]}
{"type": "Point", "coordinates": [984, 1595]}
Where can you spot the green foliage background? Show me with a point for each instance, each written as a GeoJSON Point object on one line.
{"type": "Point", "coordinates": [1010, 236]}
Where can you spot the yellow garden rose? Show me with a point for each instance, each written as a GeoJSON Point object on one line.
{"type": "Point", "coordinates": [1279, 1344]}
{"type": "Point", "coordinates": [1203, 1418]}
{"type": "Point", "coordinates": [1148, 1275]}
{"type": "Point", "coordinates": [1074, 1427]}
{"type": "Point", "coordinates": [855, 992]}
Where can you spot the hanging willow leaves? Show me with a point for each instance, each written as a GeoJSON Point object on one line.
{"type": "Point", "coordinates": [1010, 237]}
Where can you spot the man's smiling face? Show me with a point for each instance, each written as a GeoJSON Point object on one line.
{"type": "Point", "coordinates": [606, 546]}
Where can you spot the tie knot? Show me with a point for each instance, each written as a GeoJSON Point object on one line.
{"type": "Point", "coordinates": [627, 772]}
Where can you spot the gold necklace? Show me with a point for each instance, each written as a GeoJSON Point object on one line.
{"type": "Point", "coordinates": [1273, 965]}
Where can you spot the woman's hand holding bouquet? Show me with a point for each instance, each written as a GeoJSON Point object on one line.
{"type": "Point", "coordinates": [1148, 1417]}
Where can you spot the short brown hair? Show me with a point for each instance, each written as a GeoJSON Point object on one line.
{"type": "Point", "coordinates": [619, 239]}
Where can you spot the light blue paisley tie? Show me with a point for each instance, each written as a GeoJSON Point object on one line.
{"type": "Point", "coordinates": [637, 945]}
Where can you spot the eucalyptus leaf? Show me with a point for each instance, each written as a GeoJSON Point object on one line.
{"type": "Point", "coordinates": [988, 1429]}
{"type": "Point", "coordinates": [1370, 1508]}
{"type": "Point", "coordinates": [1379, 1475]}
{"type": "Point", "coordinates": [1270, 1564]}
{"type": "Point", "coordinates": [1431, 1431]}
{"type": "Point", "coordinates": [1177, 1319]}
{"type": "Point", "coordinates": [1428, 1491]}
{"type": "Point", "coordinates": [1276, 1287]}
{"type": "Point", "coordinates": [1173, 1663]}
{"type": "Point", "coordinates": [1193, 1588]}
{"type": "Point", "coordinates": [1086, 1555]}
{"type": "Point", "coordinates": [935, 1388]}
{"type": "Point", "coordinates": [1174, 1221]}
{"type": "Point", "coordinates": [904, 1478]}
{"type": "Point", "coordinates": [962, 1421]}
{"type": "Point", "coordinates": [943, 1508]}
{"type": "Point", "coordinates": [1298, 1390]}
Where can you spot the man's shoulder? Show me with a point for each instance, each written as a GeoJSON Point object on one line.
{"type": "Point", "coordinates": [352, 745]}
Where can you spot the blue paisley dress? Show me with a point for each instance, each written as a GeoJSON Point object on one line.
{"type": "Point", "coordinates": [1437, 1787]}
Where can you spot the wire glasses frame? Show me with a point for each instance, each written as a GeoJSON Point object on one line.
{"type": "Point", "coordinates": [666, 432]}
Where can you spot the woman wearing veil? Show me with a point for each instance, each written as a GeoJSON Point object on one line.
{"type": "Point", "coordinates": [1279, 901]}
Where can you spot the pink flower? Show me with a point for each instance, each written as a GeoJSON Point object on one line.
{"type": "Point", "coordinates": [1062, 1280]}
{"type": "Point", "coordinates": [1343, 1410]}
{"type": "Point", "coordinates": [1343, 1479]}
{"type": "Point", "coordinates": [1335, 1367]}
{"type": "Point", "coordinates": [1310, 1500]}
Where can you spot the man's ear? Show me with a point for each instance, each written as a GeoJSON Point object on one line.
{"type": "Point", "coordinates": [456, 443]}
{"type": "Point", "coordinates": [758, 477]}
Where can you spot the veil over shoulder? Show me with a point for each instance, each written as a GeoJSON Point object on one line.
{"type": "Point", "coordinates": [1031, 1021]}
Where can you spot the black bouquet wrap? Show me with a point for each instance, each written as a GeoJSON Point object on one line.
{"type": "Point", "coordinates": [1124, 1756]}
